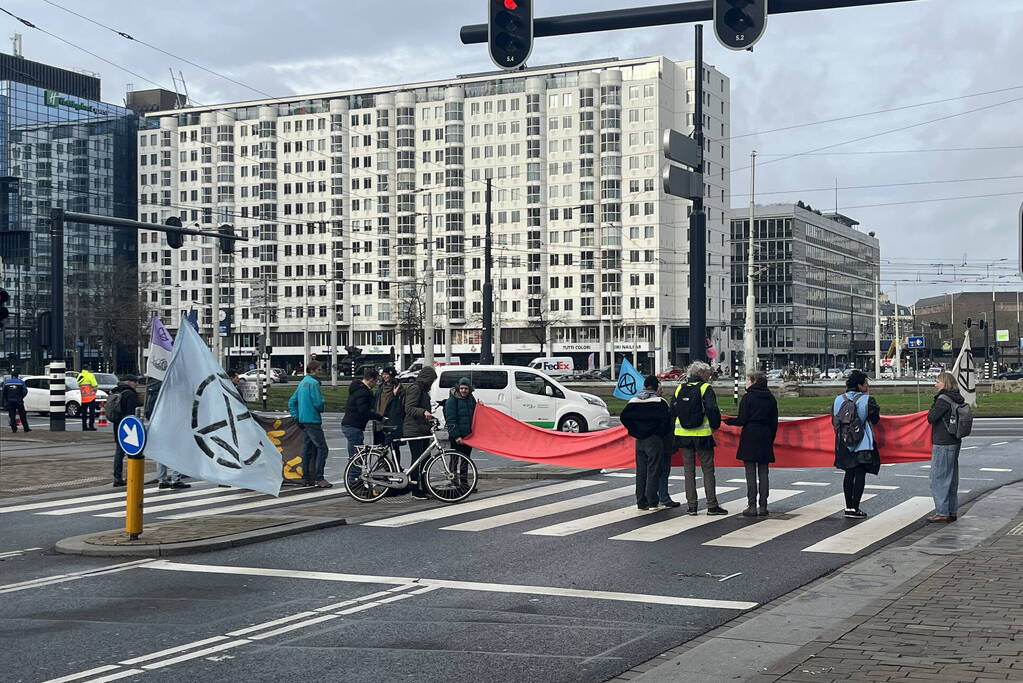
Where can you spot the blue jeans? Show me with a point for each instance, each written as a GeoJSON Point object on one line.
{"type": "Point", "coordinates": [314, 452]}
{"type": "Point", "coordinates": [662, 487]}
{"type": "Point", "coordinates": [119, 456]}
{"type": "Point", "coordinates": [945, 478]}
{"type": "Point", "coordinates": [355, 437]}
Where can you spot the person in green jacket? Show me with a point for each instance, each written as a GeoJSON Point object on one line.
{"type": "Point", "coordinates": [306, 406]}
{"type": "Point", "coordinates": [458, 411]}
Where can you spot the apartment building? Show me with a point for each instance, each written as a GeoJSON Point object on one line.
{"type": "Point", "coordinates": [350, 199]}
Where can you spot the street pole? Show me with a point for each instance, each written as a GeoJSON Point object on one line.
{"type": "Point", "coordinates": [263, 354]}
{"type": "Point", "coordinates": [1019, 346]}
{"type": "Point", "coordinates": [428, 294]}
{"type": "Point", "coordinates": [994, 324]}
{"type": "Point", "coordinates": [877, 325]}
{"type": "Point", "coordinates": [218, 345]}
{"type": "Point", "coordinates": [827, 310]}
{"type": "Point", "coordinates": [305, 327]}
{"type": "Point", "coordinates": [332, 321]}
{"type": "Point", "coordinates": [487, 352]}
{"type": "Point", "coordinates": [599, 293]}
{"type": "Point", "coordinates": [58, 384]}
{"type": "Point", "coordinates": [750, 330]}
{"type": "Point", "coordinates": [698, 229]}
{"type": "Point", "coordinates": [897, 339]}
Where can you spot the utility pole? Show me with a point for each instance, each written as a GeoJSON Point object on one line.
{"type": "Point", "coordinates": [852, 328]}
{"type": "Point", "coordinates": [827, 310]}
{"type": "Point", "coordinates": [218, 345]}
{"type": "Point", "coordinates": [428, 294]}
{"type": "Point", "coordinates": [57, 382]}
{"type": "Point", "coordinates": [305, 326]}
{"type": "Point", "coordinates": [487, 352]}
{"type": "Point", "coordinates": [994, 325]}
{"type": "Point", "coordinates": [877, 325]}
{"type": "Point", "coordinates": [896, 338]}
{"type": "Point", "coordinates": [750, 330]}
{"type": "Point", "coordinates": [698, 230]}
{"type": "Point", "coordinates": [332, 321]}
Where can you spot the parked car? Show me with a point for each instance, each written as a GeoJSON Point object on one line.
{"type": "Point", "coordinates": [527, 395]}
{"type": "Point", "coordinates": [834, 373]}
{"type": "Point", "coordinates": [38, 398]}
{"type": "Point", "coordinates": [557, 366]}
{"type": "Point", "coordinates": [775, 374]}
{"type": "Point", "coordinates": [674, 372]}
{"type": "Point", "coordinates": [258, 376]}
{"type": "Point", "coordinates": [1012, 374]}
{"type": "Point", "coordinates": [105, 380]}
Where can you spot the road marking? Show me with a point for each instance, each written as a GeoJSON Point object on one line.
{"type": "Point", "coordinates": [976, 479]}
{"type": "Point", "coordinates": [71, 576]}
{"type": "Point", "coordinates": [292, 627]}
{"type": "Point", "coordinates": [874, 529]}
{"type": "Point", "coordinates": [117, 676]}
{"type": "Point", "coordinates": [120, 503]}
{"type": "Point", "coordinates": [966, 448]}
{"type": "Point", "coordinates": [152, 509]}
{"type": "Point", "coordinates": [16, 553]}
{"type": "Point", "coordinates": [925, 467]}
{"type": "Point", "coordinates": [83, 674]}
{"type": "Point", "coordinates": [173, 650]}
{"type": "Point", "coordinates": [198, 653]}
{"type": "Point", "coordinates": [543, 510]}
{"type": "Point", "coordinates": [811, 483]}
{"type": "Point", "coordinates": [770, 529]}
{"type": "Point", "coordinates": [678, 525]}
{"type": "Point", "coordinates": [283, 500]}
{"type": "Point", "coordinates": [1000, 443]}
{"type": "Point", "coordinates": [71, 501]}
{"type": "Point", "coordinates": [995, 469]}
{"type": "Point", "coordinates": [457, 585]}
{"type": "Point", "coordinates": [881, 487]}
{"type": "Point", "coordinates": [574, 526]}
{"type": "Point", "coordinates": [482, 504]}
{"type": "Point", "coordinates": [915, 476]}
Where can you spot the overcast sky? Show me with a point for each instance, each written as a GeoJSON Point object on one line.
{"type": "Point", "coordinates": [809, 67]}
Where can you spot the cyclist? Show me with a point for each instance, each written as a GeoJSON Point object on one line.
{"type": "Point", "coordinates": [458, 412]}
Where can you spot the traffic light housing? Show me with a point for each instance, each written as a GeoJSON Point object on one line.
{"type": "Point", "coordinates": [226, 246]}
{"type": "Point", "coordinates": [4, 313]}
{"type": "Point", "coordinates": [510, 32]}
{"type": "Point", "coordinates": [738, 24]}
{"type": "Point", "coordinates": [175, 240]}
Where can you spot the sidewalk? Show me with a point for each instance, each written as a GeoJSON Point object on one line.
{"type": "Point", "coordinates": [943, 604]}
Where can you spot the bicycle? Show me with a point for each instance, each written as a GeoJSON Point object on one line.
{"type": "Point", "coordinates": [448, 476]}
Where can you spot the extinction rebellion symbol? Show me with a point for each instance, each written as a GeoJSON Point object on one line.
{"type": "Point", "coordinates": [217, 395]}
{"type": "Point", "coordinates": [627, 384]}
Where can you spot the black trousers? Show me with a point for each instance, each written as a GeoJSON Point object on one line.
{"type": "Point", "coordinates": [463, 466]}
{"type": "Point", "coordinates": [17, 410]}
{"type": "Point", "coordinates": [852, 485]}
{"type": "Point", "coordinates": [89, 414]}
{"type": "Point", "coordinates": [417, 447]}
{"type": "Point", "coordinates": [649, 458]}
{"type": "Point", "coordinates": [757, 472]}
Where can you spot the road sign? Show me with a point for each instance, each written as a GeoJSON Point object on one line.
{"type": "Point", "coordinates": [914, 342]}
{"type": "Point", "coordinates": [680, 148]}
{"type": "Point", "coordinates": [1001, 335]}
{"type": "Point", "coordinates": [680, 182]}
{"type": "Point", "coordinates": [131, 435]}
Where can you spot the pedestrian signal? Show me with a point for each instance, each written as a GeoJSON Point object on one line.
{"type": "Point", "coordinates": [739, 24]}
{"type": "Point", "coordinates": [510, 32]}
{"type": "Point", "coordinates": [175, 240]}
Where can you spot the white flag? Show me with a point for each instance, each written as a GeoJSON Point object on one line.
{"type": "Point", "coordinates": [160, 347]}
{"type": "Point", "coordinates": [201, 426]}
{"type": "Point", "coordinates": [965, 372]}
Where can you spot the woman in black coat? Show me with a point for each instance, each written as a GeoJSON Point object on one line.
{"type": "Point", "coordinates": [758, 417]}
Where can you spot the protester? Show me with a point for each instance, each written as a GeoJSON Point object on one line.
{"type": "Point", "coordinates": [87, 387]}
{"type": "Point", "coordinates": [758, 417]}
{"type": "Point", "coordinates": [122, 402]}
{"type": "Point", "coordinates": [458, 412]}
{"type": "Point", "coordinates": [852, 415]}
{"type": "Point", "coordinates": [417, 423]}
{"type": "Point", "coordinates": [647, 418]}
{"type": "Point", "coordinates": [696, 413]}
{"type": "Point", "coordinates": [306, 406]}
{"type": "Point", "coordinates": [14, 392]}
{"type": "Point", "coordinates": [384, 396]}
{"type": "Point", "coordinates": [358, 412]}
{"type": "Point", "coordinates": [945, 449]}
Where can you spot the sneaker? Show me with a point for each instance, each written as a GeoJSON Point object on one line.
{"type": "Point", "coordinates": [164, 485]}
{"type": "Point", "coordinates": [933, 519]}
{"type": "Point", "coordinates": [762, 512]}
{"type": "Point", "coordinates": [180, 485]}
{"type": "Point", "coordinates": [717, 510]}
{"type": "Point", "coordinates": [120, 482]}
{"type": "Point", "coordinates": [644, 506]}
{"type": "Point", "coordinates": [670, 504]}
{"type": "Point", "coordinates": [312, 483]}
{"type": "Point", "coordinates": [855, 514]}
{"type": "Point", "coordinates": [324, 484]}
{"type": "Point", "coordinates": [748, 512]}
{"type": "Point", "coordinates": [691, 510]}
{"type": "Point", "coordinates": [420, 495]}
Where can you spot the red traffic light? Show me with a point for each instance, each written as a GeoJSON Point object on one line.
{"type": "Point", "coordinates": [511, 4]}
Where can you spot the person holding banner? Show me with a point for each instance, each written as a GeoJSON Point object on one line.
{"type": "Point", "coordinates": [696, 413]}
{"type": "Point", "coordinates": [648, 419]}
{"type": "Point", "coordinates": [945, 449]}
{"type": "Point", "coordinates": [856, 452]}
{"type": "Point", "coordinates": [758, 417]}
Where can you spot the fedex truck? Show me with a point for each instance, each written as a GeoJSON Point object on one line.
{"type": "Point", "coordinates": [556, 366]}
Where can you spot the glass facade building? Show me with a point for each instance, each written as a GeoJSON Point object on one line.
{"type": "Point", "coordinates": [57, 150]}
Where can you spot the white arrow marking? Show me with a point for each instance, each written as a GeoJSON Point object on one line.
{"type": "Point", "coordinates": [131, 435]}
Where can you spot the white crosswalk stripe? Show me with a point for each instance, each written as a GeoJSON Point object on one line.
{"type": "Point", "coordinates": [874, 529]}
{"type": "Point", "coordinates": [300, 496]}
{"type": "Point", "coordinates": [770, 529]}
{"type": "Point", "coordinates": [544, 510]}
{"type": "Point", "coordinates": [178, 505]}
{"type": "Point", "coordinates": [147, 495]}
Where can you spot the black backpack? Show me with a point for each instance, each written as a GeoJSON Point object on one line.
{"type": "Point", "coordinates": [687, 405]}
{"type": "Point", "coordinates": [960, 418]}
{"type": "Point", "coordinates": [113, 407]}
{"type": "Point", "coordinates": [847, 423]}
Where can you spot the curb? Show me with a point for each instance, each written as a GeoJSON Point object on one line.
{"type": "Point", "coordinates": [78, 545]}
{"type": "Point", "coordinates": [538, 474]}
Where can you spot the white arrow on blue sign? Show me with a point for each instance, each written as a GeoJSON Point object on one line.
{"type": "Point", "coordinates": [915, 343]}
{"type": "Point", "coordinates": [131, 435]}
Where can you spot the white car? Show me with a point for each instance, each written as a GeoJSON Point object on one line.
{"type": "Point", "coordinates": [258, 376]}
{"type": "Point", "coordinates": [775, 374]}
{"type": "Point", "coordinates": [38, 398]}
{"type": "Point", "coordinates": [528, 395]}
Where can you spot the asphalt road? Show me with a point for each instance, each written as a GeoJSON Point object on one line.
{"type": "Point", "coordinates": [549, 581]}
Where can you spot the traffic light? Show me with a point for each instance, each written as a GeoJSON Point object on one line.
{"type": "Point", "coordinates": [739, 24]}
{"type": "Point", "coordinates": [226, 246]}
{"type": "Point", "coordinates": [174, 239]}
{"type": "Point", "coordinates": [510, 32]}
{"type": "Point", "coordinates": [4, 313]}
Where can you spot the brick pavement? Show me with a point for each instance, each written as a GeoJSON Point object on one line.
{"type": "Point", "coordinates": [960, 621]}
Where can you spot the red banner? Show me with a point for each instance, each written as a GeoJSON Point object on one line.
{"type": "Point", "coordinates": [807, 442]}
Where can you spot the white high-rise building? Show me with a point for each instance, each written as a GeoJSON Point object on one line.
{"type": "Point", "coordinates": [337, 192]}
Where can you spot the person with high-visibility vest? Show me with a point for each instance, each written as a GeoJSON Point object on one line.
{"type": "Point", "coordinates": [87, 387]}
{"type": "Point", "coordinates": [696, 413]}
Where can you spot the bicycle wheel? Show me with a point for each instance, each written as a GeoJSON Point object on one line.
{"type": "Point", "coordinates": [450, 476]}
{"type": "Point", "coordinates": [357, 469]}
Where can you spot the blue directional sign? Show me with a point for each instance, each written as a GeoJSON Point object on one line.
{"type": "Point", "coordinates": [131, 435]}
{"type": "Point", "coordinates": [914, 342]}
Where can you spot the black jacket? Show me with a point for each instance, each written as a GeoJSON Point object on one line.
{"type": "Point", "coordinates": [758, 417]}
{"type": "Point", "coordinates": [938, 417]}
{"type": "Point", "coordinates": [359, 408]}
{"type": "Point", "coordinates": [128, 402]}
{"type": "Point", "coordinates": [458, 414]}
{"type": "Point", "coordinates": [417, 403]}
{"type": "Point", "coordinates": [646, 417]}
{"type": "Point", "coordinates": [847, 460]}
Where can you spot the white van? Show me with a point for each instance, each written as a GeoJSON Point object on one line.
{"type": "Point", "coordinates": [438, 361]}
{"type": "Point", "coordinates": [528, 395]}
{"type": "Point", "coordinates": [557, 366]}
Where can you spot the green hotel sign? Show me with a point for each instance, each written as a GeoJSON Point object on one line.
{"type": "Point", "coordinates": [53, 98]}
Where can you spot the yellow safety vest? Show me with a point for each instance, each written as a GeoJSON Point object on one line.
{"type": "Point", "coordinates": [702, 430]}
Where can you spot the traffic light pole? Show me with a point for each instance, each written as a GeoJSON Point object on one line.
{"type": "Point", "coordinates": [57, 383]}
{"type": "Point", "coordinates": [487, 355]}
{"type": "Point", "coordinates": [698, 231]}
{"type": "Point", "coordinates": [218, 350]}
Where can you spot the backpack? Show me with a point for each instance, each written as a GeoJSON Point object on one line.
{"type": "Point", "coordinates": [847, 422]}
{"type": "Point", "coordinates": [960, 418]}
{"type": "Point", "coordinates": [687, 405]}
{"type": "Point", "coordinates": [114, 412]}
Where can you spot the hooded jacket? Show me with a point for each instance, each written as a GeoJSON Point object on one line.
{"type": "Point", "coordinates": [417, 403]}
{"type": "Point", "coordinates": [306, 404]}
{"type": "Point", "coordinates": [458, 414]}
{"type": "Point", "coordinates": [938, 417]}
{"type": "Point", "coordinates": [128, 402]}
{"type": "Point", "coordinates": [384, 395]}
{"type": "Point", "coordinates": [359, 407]}
{"type": "Point", "coordinates": [758, 417]}
{"type": "Point", "coordinates": [647, 414]}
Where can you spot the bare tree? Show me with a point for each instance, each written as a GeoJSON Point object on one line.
{"type": "Point", "coordinates": [543, 320]}
{"type": "Point", "coordinates": [411, 313]}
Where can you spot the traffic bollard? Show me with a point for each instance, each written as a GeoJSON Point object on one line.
{"type": "Point", "coordinates": [735, 387]}
{"type": "Point", "coordinates": [133, 511]}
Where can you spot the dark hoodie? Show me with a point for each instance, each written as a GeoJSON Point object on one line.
{"type": "Point", "coordinates": [647, 414]}
{"type": "Point", "coordinates": [458, 414]}
{"type": "Point", "coordinates": [359, 408]}
{"type": "Point", "coordinates": [938, 417]}
{"type": "Point", "coordinates": [417, 403]}
{"type": "Point", "coordinates": [758, 417]}
{"type": "Point", "coordinates": [127, 403]}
